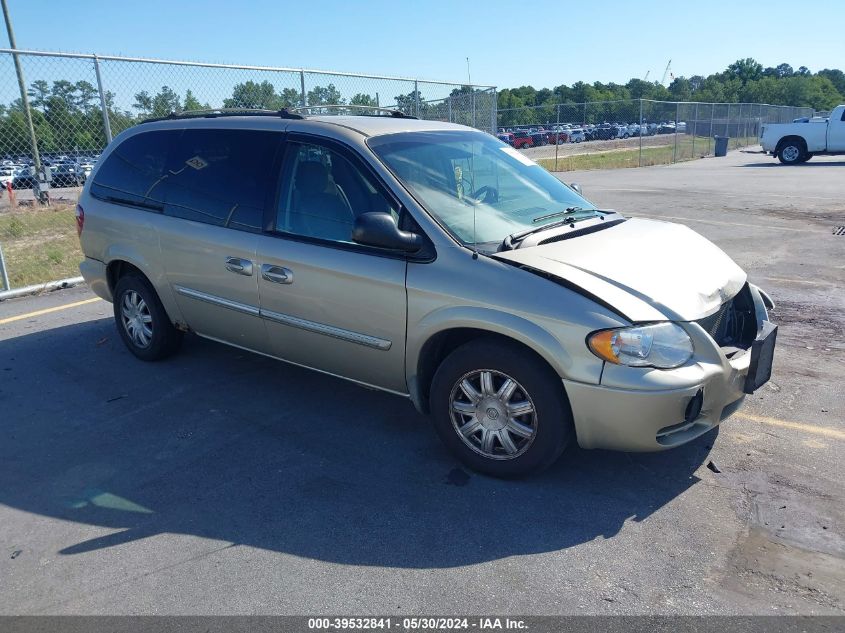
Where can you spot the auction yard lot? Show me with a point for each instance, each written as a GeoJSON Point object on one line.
{"type": "Point", "coordinates": [223, 482]}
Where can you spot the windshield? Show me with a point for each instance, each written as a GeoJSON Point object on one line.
{"type": "Point", "coordinates": [481, 189]}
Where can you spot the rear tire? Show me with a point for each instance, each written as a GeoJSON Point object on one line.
{"type": "Point", "coordinates": [514, 421]}
{"type": "Point", "coordinates": [790, 152]}
{"type": "Point", "coordinates": [142, 321]}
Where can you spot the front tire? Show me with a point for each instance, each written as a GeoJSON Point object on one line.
{"type": "Point", "coordinates": [499, 409]}
{"type": "Point", "coordinates": [141, 320]}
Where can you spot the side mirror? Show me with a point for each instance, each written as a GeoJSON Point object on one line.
{"type": "Point", "coordinates": [576, 187]}
{"type": "Point", "coordinates": [380, 229]}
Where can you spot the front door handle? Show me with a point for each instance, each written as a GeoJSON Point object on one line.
{"type": "Point", "coordinates": [276, 274]}
{"type": "Point", "coordinates": [239, 266]}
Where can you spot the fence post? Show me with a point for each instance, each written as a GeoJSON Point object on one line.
{"type": "Point", "coordinates": [416, 99]}
{"type": "Point", "coordinates": [36, 159]}
{"type": "Point", "coordinates": [710, 135]}
{"type": "Point", "coordinates": [3, 273]}
{"type": "Point", "coordinates": [103, 104]}
{"type": "Point", "coordinates": [694, 128]}
{"type": "Point", "coordinates": [640, 161]}
{"type": "Point", "coordinates": [472, 105]}
{"type": "Point", "coordinates": [728, 122]}
{"type": "Point", "coordinates": [677, 120]}
{"type": "Point", "coordinates": [494, 112]}
{"type": "Point", "coordinates": [449, 101]}
{"type": "Point", "coordinates": [302, 87]}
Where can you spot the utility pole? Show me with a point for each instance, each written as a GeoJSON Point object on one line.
{"type": "Point", "coordinates": [22, 85]}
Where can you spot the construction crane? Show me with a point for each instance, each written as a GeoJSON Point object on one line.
{"type": "Point", "coordinates": [666, 73]}
{"type": "Point", "coordinates": [646, 75]}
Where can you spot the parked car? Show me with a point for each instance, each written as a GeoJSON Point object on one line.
{"type": "Point", "coordinates": [506, 137]}
{"type": "Point", "coordinates": [794, 143]}
{"type": "Point", "coordinates": [605, 132]}
{"type": "Point", "coordinates": [576, 135]}
{"type": "Point", "coordinates": [65, 175]}
{"type": "Point", "coordinates": [521, 323]}
{"type": "Point", "coordinates": [7, 175]}
{"type": "Point", "coordinates": [559, 137]}
{"type": "Point", "coordinates": [522, 139]}
{"type": "Point", "coordinates": [25, 179]}
{"type": "Point", "coordinates": [622, 131]}
{"type": "Point", "coordinates": [540, 138]}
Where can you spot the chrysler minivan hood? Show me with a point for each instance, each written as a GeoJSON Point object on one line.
{"type": "Point", "coordinates": [648, 270]}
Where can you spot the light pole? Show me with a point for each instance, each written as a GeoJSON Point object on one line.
{"type": "Point", "coordinates": [36, 159]}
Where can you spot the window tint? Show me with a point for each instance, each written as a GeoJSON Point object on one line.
{"type": "Point", "coordinates": [132, 173]}
{"type": "Point", "coordinates": [221, 177]}
{"type": "Point", "coordinates": [324, 193]}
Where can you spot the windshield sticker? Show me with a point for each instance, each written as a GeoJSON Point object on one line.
{"type": "Point", "coordinates": [196, 162]}
{"type": "Point", "coordinates": [510, 151]}
{"type": "Point", "coordinates": [459, 182]}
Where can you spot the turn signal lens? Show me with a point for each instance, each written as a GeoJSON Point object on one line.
{"type": "Point", "coordinates": [661, 345]}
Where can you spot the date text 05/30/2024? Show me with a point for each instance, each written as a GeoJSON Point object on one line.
{"type": "Point", "coordinates": [415, 624]}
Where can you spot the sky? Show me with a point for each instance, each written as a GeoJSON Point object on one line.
{"type": "Point", "coordinates": [540, 43]}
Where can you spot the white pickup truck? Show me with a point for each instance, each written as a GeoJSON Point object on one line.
{"type": "Point", "coordinates": [795, 143]}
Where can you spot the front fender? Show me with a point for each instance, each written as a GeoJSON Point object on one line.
{"type": "Point", "coordinates": [529, 333]}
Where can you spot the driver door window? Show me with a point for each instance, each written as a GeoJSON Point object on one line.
{"type": "Point", "coordinates": [324, 193]}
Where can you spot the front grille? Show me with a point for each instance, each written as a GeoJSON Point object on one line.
{"type": "Point", "coordinates": [734, 324]}
{"type": "Point", "coordinates": [712, 324]}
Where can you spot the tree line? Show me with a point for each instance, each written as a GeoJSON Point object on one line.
{"type": "Point", "coordinates": [67, 115]}
{"type": "Point", "coordinates": [744, 81]}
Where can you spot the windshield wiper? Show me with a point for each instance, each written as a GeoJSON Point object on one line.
{"type": "Point", "coordinates": [510, 240]}
{"type": "Point", "coordinates": [565, 211]}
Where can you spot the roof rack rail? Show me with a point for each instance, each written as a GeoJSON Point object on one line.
{"type": "Point", "coordinates": [344, 106]}
{"type": "Point", "coordinates": [212, 113]}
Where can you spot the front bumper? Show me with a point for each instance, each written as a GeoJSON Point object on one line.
{"type": "Point", "coordinates": [643, 420]}
{"type": "Point", "coordinates": [643, 409]}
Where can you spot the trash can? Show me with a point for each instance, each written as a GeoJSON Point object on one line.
{"type": "Point", "coordinates": [721, 148]}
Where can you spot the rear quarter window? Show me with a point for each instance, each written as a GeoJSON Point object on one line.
{"type": "Point", "coordinates": [221, 177]}
{"type": "Point", "coordinates": [132, 173]}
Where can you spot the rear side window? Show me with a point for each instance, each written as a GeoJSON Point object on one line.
{"type": "Point", "coordinates": [132, 173]}
{"type": "Point", "coordinates": [221, 177]}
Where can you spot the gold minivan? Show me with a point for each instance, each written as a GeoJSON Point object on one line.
{"type": "Point", "coordinates": [429, 260]}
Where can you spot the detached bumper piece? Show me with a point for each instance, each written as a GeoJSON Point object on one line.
{"type": "Point", "coordinates": [762, 355]}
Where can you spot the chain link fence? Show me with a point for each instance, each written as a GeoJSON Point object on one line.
{"type": "Point", "coordinates": [634, 133]}
{"type": "Point", "coordinates": [78, 103]}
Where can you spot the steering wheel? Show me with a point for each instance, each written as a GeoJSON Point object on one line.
{"type": "Point", "coordinates": [486, 193]}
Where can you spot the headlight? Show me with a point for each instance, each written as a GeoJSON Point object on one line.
{"type": "Point", "coordinates": [661, 345]}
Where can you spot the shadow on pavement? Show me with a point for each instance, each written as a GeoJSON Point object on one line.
{"type": "Point", "coordinates": [228, 445]}
{"type": "Point", "coordinates": [810, 163]}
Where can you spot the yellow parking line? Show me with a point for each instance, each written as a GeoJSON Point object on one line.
{"type": "Point", "coordinates": [797, 426]}
{"type": "Point", "coordinates": [29, 315]}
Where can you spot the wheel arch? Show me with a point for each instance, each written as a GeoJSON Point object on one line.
{"type": "Point", "coordinates": [120, 263]}
{"type": "Point", "coordinates": [427, 351]}
{"type": "Point", "coordinates": [791, 138]}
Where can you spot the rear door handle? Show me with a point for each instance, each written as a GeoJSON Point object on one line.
{"type": "Point", "coordinates": [276, 274]}
{"type": "Point", "coordinates": [239, 266]}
